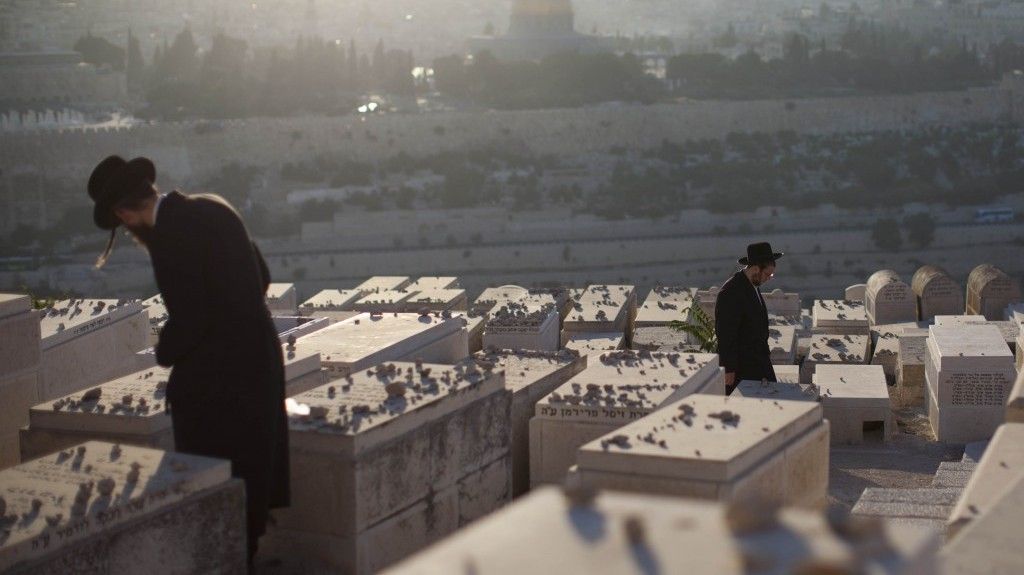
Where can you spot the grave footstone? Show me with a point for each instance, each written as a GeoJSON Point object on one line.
{"type": "Point", "coordinates": [616, 387]}
{"type": "Point", "coordinates": [529, 375]}
{"type": "Point", "coordinates": [107, 508]}
{"type": "Point", "coordinates": [787, 373]}
{"type": "Point", "coordinates": [856, 401]}
{"type": "Point", "coordinates": [723, 448]}
{"type": "Point", "coordinates": [969, 372]}
{"type": "Point", "coordinates": [388, 460]}
{"type": "Point", "coordinates": [494, 297]}
{"type": "Point", "coordinates": [843, 317]}
{"type": "Point", "coordinates": [833, 348]}
{"type": "Point", "coordinates": [888, 299]}
{"type": "Point", "coordinates": [19, 371]}
{"type": "Point", "coordinates": [384, 301]}
{"type": "Point", "coordinates": [885, 343]}
{"type": "Point", "coordinates": [937, 293]}
{"type": "Point", "coordinates": [593, 343]}
{"type": "Point", "coordinates": [989, 291]}
{"type": "Point", "coordinates": [1000, 466]}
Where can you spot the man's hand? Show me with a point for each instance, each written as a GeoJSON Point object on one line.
{"type": "Point", "coordinates": [730, 378]}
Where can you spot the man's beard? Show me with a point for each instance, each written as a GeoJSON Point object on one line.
{"type": "Point", "coordinates": [143, 235]}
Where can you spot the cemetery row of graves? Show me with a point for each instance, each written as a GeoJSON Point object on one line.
{"type": "Point", "coordinates": [435, 433]}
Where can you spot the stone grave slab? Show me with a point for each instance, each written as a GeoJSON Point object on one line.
{"type": "Point", "coordinates": [282, 297]}
{"type": "Point", "coordinates": [775, 390]}
{"type": "Point", "coordinates": [969, 372]}
{"type": "Point", "coordinates": [435, 282]}
{"type": "Point", "coordinates": [785, 304]}
{"type": "Point", "coordinates": [131, 409]}
{"type": "Point", "coordinates": [331, 300]}
{"type": "Point", "coordinates": [87, 341]}
{"type": "Point", "coordinates": [157, 312]}
{"type": "Point", "coordinates": [989, 291]}
{"type": "Point", "coordinates": [664, 305]}
{"type": "Point", "coordinates": [529, 375]}
{"type": "Point", "coordinates": [369, 339]}
{"type": "Point", "coordinates": [1000, 467]}
{"type": "Point", "coordinates": [19, 371]}
{"type": "Point", "coordinates": [855, 292]}
{"type": "Point", "coordinates": [1020, 352]}
{"type": "Point", "coordinates": [391, 459]}
{"type": "Point", "coordinates": [888, 299]}
{"type": "Point", "coordinates": [436, 299]}
{"type": "Point", "coordinates": [723, 448]}
{"type": "Point", "coordinates": [707, 299]}
{"type": "Point", "coordinates": [991, 543]}
{"type": "Point", "coordinates": [494, 297]}
{"type": "Point", "coordinates": [387, 301]}
{"type": "Point", "coordinates": [377, 284]}
{"type": "Point", "coordinates": [305, 326]}
{"type": "Point", "coordinates": [856, 401]}
{"type": "Point", "coordinates": [885, 341]}
{"type": "Point", "coordinates": [787, 373]}
{"type": "Point", "coordinates": [604, 309]}
{"type": "Point", "coordinates": [616, 387]}
{"type": "Point", "coordinates": [101, 507]}
{"type": "Point", "coordinates": [910, 378]}
{"type": "Point", "coordinates": [14, 304]}
{"type": "Point", "coordinates": [834, 348]}
{"type": "Point", "coordinates": [661, 338]}
{"type": "Point", "coordinates": [529, 324]}
{"type": "Point", "coordinates": [474, 330]}
{"type": "Point", "coordinates": [937, 293]}
{"type": "Point", "coordinates": [1009, 329]}
{"type": "Point", "coordinates": [843, 317]}
{"type": "Point", "coordinates": [782, 343]}
{"type": "Point", "coordinates": [588, 343]}
{"type": "Point", "coordinates": [628, 533]}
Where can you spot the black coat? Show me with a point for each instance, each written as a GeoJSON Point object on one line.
{"type": "Point", "coordinates": [226, 390]}
{"type": "Point", "coordinates": [741, 323]}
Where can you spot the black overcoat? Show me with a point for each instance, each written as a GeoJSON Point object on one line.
{"type": "Point", "coordinates": [226, 390]}
{"type": "Point", "coordinates": [741, 324]}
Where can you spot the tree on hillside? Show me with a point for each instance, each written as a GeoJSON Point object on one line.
{"type": "Point", "coordinates": [886, 235]}
{"type": "Point", "coordinates": [920, 229]}
{"type": "Point", "coordinates": [100, 52]}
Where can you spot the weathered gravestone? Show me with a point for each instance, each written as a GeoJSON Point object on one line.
{"type": "Point", "coordinates": [437, 299]}
{"type": "Point", "coordinates": [782, 303]}
{"type": "Point", "coordinates": [19, 371]}
{"type": "Point", "coordinates": [888, 299]}
{"type": "Point", "coordinates": [1000, 467]}
{"type": "Point", "coordinates": [829, 348]}
{"type": "Point", "coordinates": [331, 300]}
{"type": "Point", "coordinates": [282, 298]}
{"type": "Point", "coordinates": [86, 341]}
{"type": "Point", "coordinates": [529, 375]}
{"type": "Point", "coordinates": [856, 401]}
{"type": "Point", "coordinates": [435, 283]}
{"type": "Point", "coordinates": [368, 339]}
{"type": "Point", "coordinates": [843, 317]}
{"type": "Point", "coordinates": [937, 293]}
{"type": "Point", "coordinates": [529, 323]}
{"type": "Point", "coordinates": [592, 343]}
{"type": "Point", "coordinates": [855, 292]}
{"type": "Point", "coordinates": [388, 460]}
{"type": "Point", "coordinates": [662, 338]}
{"type": "Point", "coordinates": [969, 372]}
{"type": "Point", "coordinates": [580, 533]}
{"type": "Point", "coordinates": [105, 508]}
{"type": "Point", "coordinates": [603, 309]}
{"type": "Point", "coordinates": [722, 448]}
{"type": "Point", "coordinates": [782, 343]}
{"type": "Point", "coordinates": [991, 543]}
{"type": "Point", "coordinates": [776, 390]}
{"type": "Point", "coordinates": [989, 291]}
{"type": "Point", "coordinates": [664, 305]}
{"type": "Point", "coordinates": [616, 387]}
{"type": "Point", "coordinates": [910, 378]}
{"type": "Point", "coordinates": [378, 284]}
{"type": "Point", "coordinates": [493, 297]}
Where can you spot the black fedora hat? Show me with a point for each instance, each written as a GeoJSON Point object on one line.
{"type": "Point", "coordinates": [113, 180]}
{"type": "Point", "coordinates": [760, 253]}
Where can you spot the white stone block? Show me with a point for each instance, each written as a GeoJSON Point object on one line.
{"type": "Point", "coordinates": [592, 343]}
{"type": "Point", "coordinates": [435, 283]}
{"type": "Point", "coordinates": [831, 348]}
{"type": "Point", "coordinates": [844, 317]}
{"type": "Point", "coordinates": [331, 300]}
{"type": "Point", "coordinates": [937, 293]}
{"type": "Point", "coordinates": [378, 284]}
{"type": "Point", "coordinates": [1001, 466]}
{"type": "Point", "coordinates": [282, 298]}
{"type": "Point", "coordinates": [856, 402]}
{"type": "Point", "coordinates": [665, 305]}
{"type": "Point", "coordinates": [990, 543]}
{"type": "Point", "coordinates": [782, 303]}
{"type": "Point", "coordinates": [157, 312]}
{"type": "Point", "coordinates": [604, 309]}
{"type": "Point", "coordinates": [530, 324]}
{"type": "Point", "coordinates": [791, 391]}
{"type": "Point", "coordinates": [782, 343]}
{"type": "Point", "coordinates": [888, 299]}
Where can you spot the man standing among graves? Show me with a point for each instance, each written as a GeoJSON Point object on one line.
{"type": "Point", "coordinates": [226, 388]}
{"type": "Point", "coordinates": [741, 319]}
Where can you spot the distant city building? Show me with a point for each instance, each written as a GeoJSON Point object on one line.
{"type": "Point", "coordinates": [538, 28]}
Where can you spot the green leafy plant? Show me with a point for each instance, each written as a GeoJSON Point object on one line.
{"type": "Point", "coordinates": [700, 327]}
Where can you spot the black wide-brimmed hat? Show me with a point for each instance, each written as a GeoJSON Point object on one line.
{"type": "Point", "coordinates": [760, 253]}
{"type": "Point", "coordinates": [115, 179]}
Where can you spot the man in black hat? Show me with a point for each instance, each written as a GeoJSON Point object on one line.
{"type": "Point", "coordinates": [226, 388]}
{"type": "Point", "coordinates": [741, 319]}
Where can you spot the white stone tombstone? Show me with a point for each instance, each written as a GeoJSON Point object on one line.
{"type": "Point", "coordinates": [969, 372]}
{"type": "Point", "coordinates": [368, 339]}
{"type": "Point", "coordinates": [388, 460]}
{"type": "Point", "coordinates": [131, 409]}
{"type": "Point", "coordinates": [331, 300]}
{"type": "Point", "coordinates": [604, 309]}
{"type": "Point", "coordinates": [101, 507]}
{"type": "Point", "coordinates": [782, 303]}
{"type": "Point", "coordinates": [494, 297]}
{"type": "Point", "coordinates": [990, 543]}
{"type": "Point", "coordinates": [157, 312]}
{"type": "Point", "coordinates": [529, 375]}
{"type": "Point", "coordinates": [616, 387]}
{"type": "Point", "coordinates": [910, 378]}
{"type": "Point", "coordinates": [786, 373]}
{"type": "Point", "coordinates": [378, 284]}
{"type": "Point", "coordinates": [593, 343]}
{"type": "Point", "coordinates": [304, 326]}
{"type": "Point", "coordinates": [613, 533]}
{"type": "Point", "coordinates": [664, 305]}
{"type": "Point", "coordinates": [937, 293]}
{"type": "Point", "coordinates": [662, 338]}
{"type": "Point", "coordinates": [19, 371]}
{"type": "Point", "coordinates": [282, 298]}
{"type": "Point", "coordinates": [437, 299]}
{"type": "Point", "coordinates": [1000, 466]}
{"type": "Point", "coordinates": [528, 324]}
{"type": "Point", "coordinates": [888, 299]}
{"type": "Point", "coordinates": [386, 301]}
{"type": "Point", "coordinates": [775, 390]}
{"type": "Point", "coordinates": [1009, 329]}
{"type": "Point", "coordinates": [782, 343]}
{"type": "Point", "coordinates": [856, 401]}
{"type": "Point", "coordinates": [855, 292]}
{"type": "Point", "coordinates": [829, 348]}
{"type": "Point", "coordinates": [707, 300]}
{"type": "Point", "coordinates": [474, 330]}
{"type": "Point", "coordinates": [842, 317]}
{"type": "Point", "coordinates": [85, 342]}
{"type": "Point", "coordinates": [435, 282]}
{"type": "Point", "coordinates": [885, 341]}
{"type": "Point", "coordinates": [721, 448]}
{"type": "Point", "coordinates": [989, 291]}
